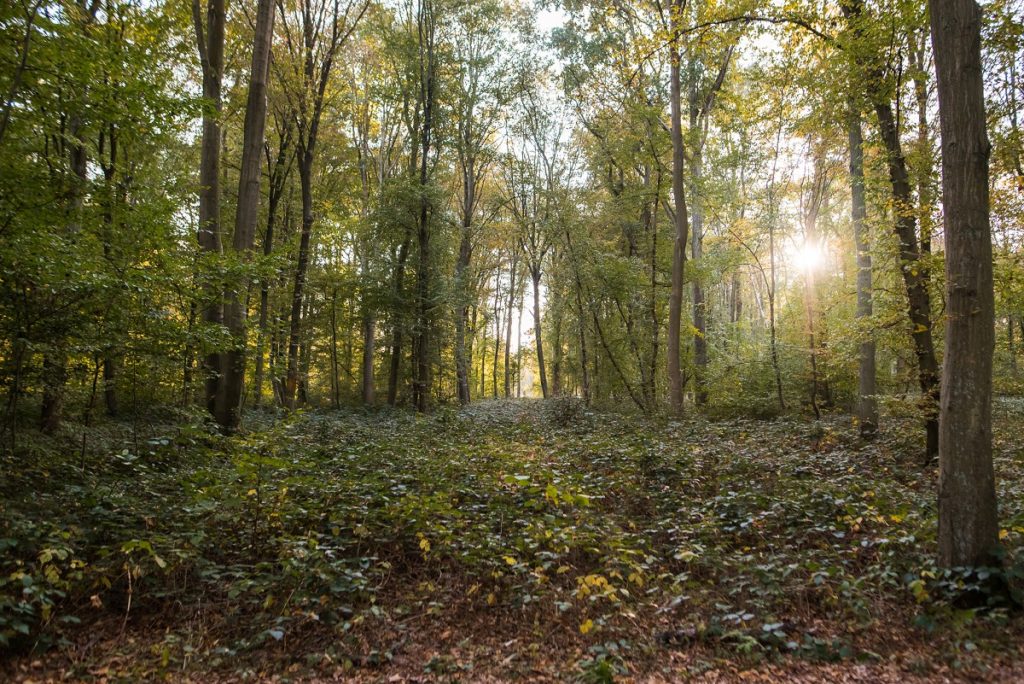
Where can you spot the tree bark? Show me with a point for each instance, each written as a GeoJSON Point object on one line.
{"type": "Point", "coordinates": [229, 398]}
{"type": "Point", "coordinates": [508, 321]}
{"type": "Point", "coordinates": [535, 276]}
{"type": "Point", "coordinates": [867, 404]}
{"type": "Point", "coordinates": [421, 338]}
{"type": "Point", "coordinates": [968, 515]}
{"type": "Point", "coordinates": [675, 374]}
{"type": "Point", "coordinates": [210, 42]}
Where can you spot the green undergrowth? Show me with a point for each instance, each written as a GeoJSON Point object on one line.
{"type": "Point", "coordinates": [750, 538]}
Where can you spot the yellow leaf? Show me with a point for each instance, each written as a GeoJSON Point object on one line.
{"type": "Point", "coordinates": [491, 599]}
{"type": "Point", "coordinates": [425, 545]}
{"type": "Point", "coordinates": [1003, 534]}
{"type": "Point", "coordinates": [251, 492]}
{"type": "Point", "coordinates": [586, 626]}
{"type": "Point", "coordinates": [510, 560]}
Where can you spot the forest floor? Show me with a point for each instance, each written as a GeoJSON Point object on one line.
{"type": "Point", "coordinates": [530, 541]}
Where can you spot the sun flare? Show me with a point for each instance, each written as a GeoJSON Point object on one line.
{"type": "Point", "coordinates": [809, 256]}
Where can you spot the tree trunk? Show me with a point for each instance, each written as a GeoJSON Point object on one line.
{"type": "Point", "coordinates": [369, 342]}
{"type": "Point", "coordinates": [919, 300]}
{"type": "Point", "coordinates": [968, 516]}
{"type": "Point", "coordinates": [535, 275]}
{"type": "Point", "coordinates": [229, 398]}
{"type": "Point", "coordinates": [700, 342]}
{"type": "Point", "coordinates": [278, 178]}
{"type": "Point", "coordinates": [508, 323]}
{"type": "Point", "coordinates": [54, 377]}
{"type": "Point", "coordinates": [675, 374]}
{"type": "Point", "coordinates": [867, 404]}
{"type": "Point", "coordinates": [463, 360]}
{"type": "Point", "coordinates": [298, 289]}
{"type": "Point", "coordinates": [421, 338]}
{"type": "Point", "coordinates": [398, 324]}
{"type": "Point", "coordinates": [210, 42]}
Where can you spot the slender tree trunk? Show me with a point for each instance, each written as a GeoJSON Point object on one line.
{"type": "Point", "coordinates": [675, 374]}
{"type": "Point", "coordinates": [919, 300]}
{"type": "Point", "coordinates": [423, 329]}
{"type": "Point", "coordinates": [556, 349]}
{"type": "Point", "coordinates": [463, 360]}
{"type": "Point", "coordinates": [54, 378]}
{"type": "Point", "coordinates": [335, 368]}
{"type": "Point", "coordinates": [398, 326]}
{"type": "Point", "coordinates": [369, 342]}
{"type": "Point", "coordinates": [278, 178]}
{"type": "Point", "coordinates": [535, 275]}
{"type": "Point", "coordinates": [229, 399]}
{"type": "Point", "coordinates": [700, 342]}
{"type": "Point", "coordinates": [968, 515]}
{"type": "Point", "coordinates": [210, 41]}
{"type": "Point", "coordinates": [497, 333]}
{"type": "Point", "coordinates": [1011, 345]}
{"type": "Point", "coordinates": [508, 323]}
{"type": "Point", "coordinates": [867, 404]}
{"type": "Point", "coordinates": [771, 318]}
{"type": "Point", "coordinates": [298, 289]}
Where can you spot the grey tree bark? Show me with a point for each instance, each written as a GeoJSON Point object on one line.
{"type": "Point", "coordinates": [968, 516]}
{"type": "Point", "coordinates": [867, 404]}
{"type": "Point", "coordinates": [229, 397]}
{"type": "Point", "coordinates": [675, 309]}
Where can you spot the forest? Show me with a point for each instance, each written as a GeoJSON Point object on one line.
{"type": "Point", "coordinates": [512, 340]}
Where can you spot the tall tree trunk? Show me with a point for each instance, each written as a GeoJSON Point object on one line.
{"type": "Point", "coordinates": [369, 342]}
{"type": "Point", "coordinates": [508, 322]}
{"type": "Point", "coordinates": [556, 352]}
{"type": "Point", "coordinates": [335, 367]}
{"type": "Point", "coordinates": [535, 276]}
{"type": "Point", "coordinates": [968, 515]}
{"type": "Point", "coordinates": [497, 333]}
{"type": "Point", "coordinates": [229, 399]}
{"type": "Point", "coordinates": [299, 286]}
{"type": "Point", "coordinates": [675, 374]}
{"type": "Point", "coordinates": [278, 178]}
{"type": "Point", "coordinates": [867, 404]}
{"type": "Point", "coordinates": [773, 338]}
{"type": "Point", "coordinates": [398, 325]}
{"type": "Point", "coordinates": [1011, 344]}
{"type": "Point", "coordinates": [463, 360]}
{"type": "Point", "coordinates": [924, 145]}
{"type": "Point", "coordinates": [108, 144]}
{"type": "Point", "coordinates": [919, 300]}
{"type": "Point", "coordinates": [210, 42]}
{"type": "Point", "coordinates": [700, 342]}
{"type": "Point", "coordinates": [424, 305]}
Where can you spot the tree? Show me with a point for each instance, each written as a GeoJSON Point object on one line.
{"type": "Point", "coordinates": [681, 220]}
{"type": "Point", "coordinates": [210, 43]}
{"type": "Point", "coordinates": [229, 396]}
{"type": "Point", "coordinates": [867, 404]}
{"type": "Point", "coordinates": [968, 517]}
